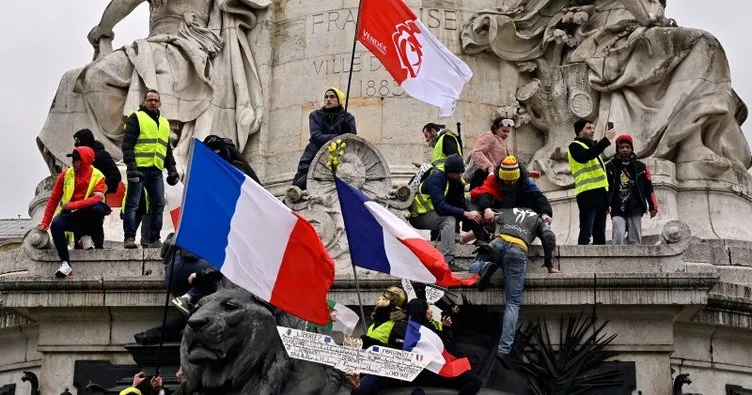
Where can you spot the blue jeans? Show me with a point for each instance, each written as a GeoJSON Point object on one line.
{"type": "Point", "coordinates": [85, 221]}
{"type": "Point", "coordinates": [513, 262]}
{"type": "Point", "coordinates": [154, 185]}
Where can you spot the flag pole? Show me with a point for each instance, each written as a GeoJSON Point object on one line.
{"type": "Point", "coordinates": [166, 306]}
{"type": "Point", "coordinates": [333, 163]}
{"type": "Point", "coordinates": [352, 64]}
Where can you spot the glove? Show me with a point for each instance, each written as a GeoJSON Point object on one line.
{"type": "Point", "coordinates": [134, 176]}
{"type": "Point", "coordinates": [172, 177]}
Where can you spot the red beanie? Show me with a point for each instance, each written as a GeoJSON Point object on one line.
{"type": "Point", "coordinates": [624, 138]}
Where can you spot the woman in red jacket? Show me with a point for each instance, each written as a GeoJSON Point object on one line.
{"type": "Point", "coordinates": [76, 204]}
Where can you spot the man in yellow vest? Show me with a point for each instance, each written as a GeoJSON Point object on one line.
{"type": "Point", "coordinates": [444, 143]}
{"type": "Point", "coordinates": [76, 204]}
{"type": "Point", "coordinates": [146, 153]}
{"type": "Point", "coordinates": [440, 202]}
{"type": "Point", "coordinates": [590, 181]}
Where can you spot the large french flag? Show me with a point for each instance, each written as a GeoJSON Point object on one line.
{"type": "Point", "coordinates": [426, 342]}
{"type": "Point", "coordinates": [253, 239]}
{"type": "Point", "coordinates": [380, 241]}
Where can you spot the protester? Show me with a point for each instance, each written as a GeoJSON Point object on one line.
{"type": "Point", "coordinates": [192, 278]}
{"type": "Point", "coordinates": [630, 192]}
{"type": "Point", "coordinates": [226, 149]}
{"type": "Point", "coordinates": [444, 142]}
{"type": "Point", "coordinates": [590, 181]}
{"type": "Point", "coordinates": [146, 153]}
{"type": "Point", "coordinates": [324, 124]}
{"type": "Point", "coordinates": [387, 330]}
{"type": "Point", "coordinates": [489, 150]}
{"type": "Point", "coordinates": [77, 204]}
{"type": "Point", "coordinates": [138, 380]}
{"type": "Point", "coordinates": [516, 229]}
{"type": "Point", "coordinates": [508, 186]}
{"type": "Point", "coordinates": [438, 206]}
{"type": "Point", "coordinates": [104, 163]}
{"type": "Point", "coordinates": [467, 383]}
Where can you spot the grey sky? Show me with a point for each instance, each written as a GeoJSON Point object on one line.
{"type": "Point", "coordinates": [43, 40]}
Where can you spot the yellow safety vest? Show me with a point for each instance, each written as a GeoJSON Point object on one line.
{"type": "Point", "coordinates": [69, 185]}
{"type": "Point", "coordinates": [438, 157]}
{"type": "Point", "coordinates": [151, 147]}
{"type": "Point", "coordinates": [382, 332]}
{"type": "Point", "coordinates": [422, 202]}
{"type": "Point", "coordinates": [587, 176]}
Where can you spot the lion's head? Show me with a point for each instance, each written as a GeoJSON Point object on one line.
{"type": "Point", "coordinates": [230, 344]}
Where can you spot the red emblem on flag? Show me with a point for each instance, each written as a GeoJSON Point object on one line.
{"type": "Point", "coordinates": [408, 47]}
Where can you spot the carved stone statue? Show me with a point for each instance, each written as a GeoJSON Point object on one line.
{"type": "Point", "coordinates": [230, 346]}
{"type": "Point", "coordinates": [198, 55]}
{"type": "Point", "coordinates": [619, 61]}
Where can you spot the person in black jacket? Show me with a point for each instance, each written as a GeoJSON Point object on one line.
{"type": "Point", "coordinates": [591, 185]}
{"type": "Point", "coordinates": [103, 162]}
{"type": "Point", "coordinates": [325, 124]}
{"type": "Point", "coordinates": [467, 383]}
{"type": "Point", "coordinates": [509, 186]}
{"type": "Point", "coordinates": [630, 193]}
{"type": "Point", "coordinates": [440, 203]}
{"type": "Point", "coordinates": [226, 149]}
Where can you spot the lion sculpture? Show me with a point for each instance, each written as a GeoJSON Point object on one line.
{"type": "Point", "coordinates": [230, 346]}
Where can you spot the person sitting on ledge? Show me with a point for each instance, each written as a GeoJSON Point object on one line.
{"type": "Point", "coordinates": [77, 205]}
{"type": "Point", "coordinates": [440, 203]}
{"type": "Point", "coordinates": [325, 123]}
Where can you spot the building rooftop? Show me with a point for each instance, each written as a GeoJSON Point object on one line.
{"type": "Point", "coordinates": [11, 228]}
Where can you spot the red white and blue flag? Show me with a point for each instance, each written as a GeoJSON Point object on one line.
{"type": "Point", "coordinates": [380, 241]}
{"type": "Point", "coordinates": [417, 61]}
{"type": "Point", "coordinates": [255, 240]}
{"type": "Point", "coordinates": [423, 341]}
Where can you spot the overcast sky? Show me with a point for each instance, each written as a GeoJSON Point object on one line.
{"type": "Point", "coordinates": [44, 39]}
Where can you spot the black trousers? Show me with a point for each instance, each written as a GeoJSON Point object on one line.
{"type": "Point", "coordinates": [593, 205]}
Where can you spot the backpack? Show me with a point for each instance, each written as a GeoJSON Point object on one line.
{"type": "Point", "coordinates": [423, 172]}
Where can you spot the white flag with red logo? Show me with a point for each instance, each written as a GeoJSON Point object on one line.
{"type": "Point", "coordinates": [420, 63]}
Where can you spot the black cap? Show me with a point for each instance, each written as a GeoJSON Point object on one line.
{"type": "Point", "coordinates": [579, 125]}
{"type": "Point", "coordinates": [75, 155]}
{"type": "Point", "coordinates": [214, 142]}
{"type": "Point", "coordinates": [454, 164]}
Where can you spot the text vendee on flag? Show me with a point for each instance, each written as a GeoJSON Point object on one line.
{"type": "Point", "coordinates": [417, 61]}
{"type": "Point", "coordinates": [255, 240]}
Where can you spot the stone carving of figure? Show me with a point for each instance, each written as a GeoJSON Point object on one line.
{"type": "Point", "coordinates": [198, 55]}
{"type": "Point", "coordinates": [619, 61]}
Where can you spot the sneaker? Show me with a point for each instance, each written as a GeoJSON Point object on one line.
{"type": "Point", "coordinates": [485, 273]}
{"type": "Point", "coordinates": [454, 267]}
{"type": "Point", "coordinates": [155, 244]}
{"type": "Point", "coordinates": [87, 243]}
{"type": "Point", "coordinates": [130, 243]}
{"type": "Point", "coordinates": [183, 303]}
{"type": "Point", "coordinates": [64, 270]}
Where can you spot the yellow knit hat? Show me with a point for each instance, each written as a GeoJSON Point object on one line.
{"type": "Point", "coordinates": [340, 95]}
{"type": "Point", "coordinates": [509, 170]}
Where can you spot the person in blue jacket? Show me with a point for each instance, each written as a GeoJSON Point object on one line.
{"type": "Point", "coordinates": [326, 123]}
{"type": "Point", "coordinates": [439, 204]}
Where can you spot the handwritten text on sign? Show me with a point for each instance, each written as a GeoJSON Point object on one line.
{"type": "Point", "coordinates": [379, 361]}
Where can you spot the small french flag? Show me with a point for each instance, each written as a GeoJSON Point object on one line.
{"type": "Point", "coordinates": [426, 342]}
{"type": "Point", "coordinates": [380, 241]}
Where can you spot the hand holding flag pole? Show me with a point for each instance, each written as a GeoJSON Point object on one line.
{"type": "Point", "coordinates": [337, 151]}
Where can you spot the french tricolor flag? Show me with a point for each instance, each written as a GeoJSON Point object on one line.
{"type": "Point", "coordinates": [426, 342]}
{"type": "Point", "coordinates": [253, 239]}
{"type": "Point", "coordinates": [380, 241]}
